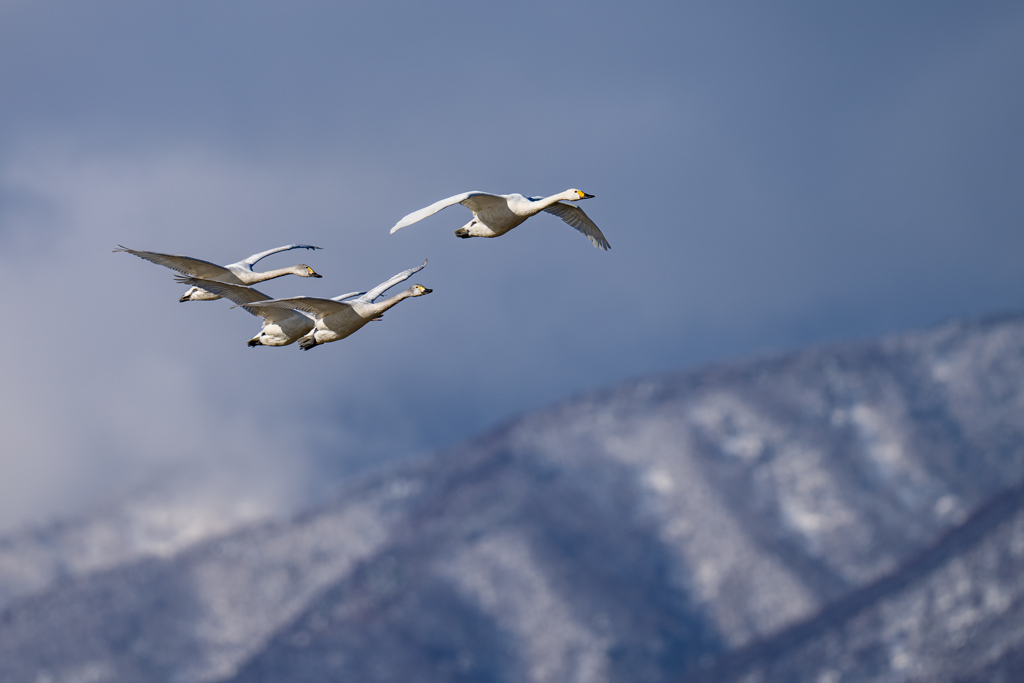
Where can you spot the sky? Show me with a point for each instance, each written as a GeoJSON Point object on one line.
{"type": "Point", "coordinates": [769, 176]}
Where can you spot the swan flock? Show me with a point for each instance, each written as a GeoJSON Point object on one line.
{"type": "Point", "coordinates": [313, 321]}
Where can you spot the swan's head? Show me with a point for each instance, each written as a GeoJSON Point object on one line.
{"type": "Point", "coordinates": [197, 294]}
{"type": "Point", "coordinates": [306, 271]}
{"type": "Point", "coordinates": [576, 195]}
{"type": "Point", "coordinates": [418, 290]}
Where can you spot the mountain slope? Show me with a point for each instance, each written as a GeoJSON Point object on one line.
{"type": "Point", "coordinates": [636, 534]}
{"type": "Point", "coordinates": [955, 613]}
{"type": "Point", "coordinates": [156, 521]}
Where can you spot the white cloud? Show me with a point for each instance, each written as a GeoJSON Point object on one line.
{"type": "Point", "coordinates": [108, 381]}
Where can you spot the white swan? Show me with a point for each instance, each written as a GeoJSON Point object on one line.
{"type": "Point", "coordinates": [281, 326]}
{"type": "Point", "coordinates": [336, 319]}
{"type": "Point", "coordinates": [496, 214]}
{"type": "Point", "coordinates": [240, 273]}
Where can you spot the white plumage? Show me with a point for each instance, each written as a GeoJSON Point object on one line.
{"type": "Point", "coordinates": [240, 273]}
{"type": "Point", "coordinates": [496, 214]}
{"type": "Point", "coordinates": [336, 319]}
{"type": "Point", "coordinates": [281, 326]}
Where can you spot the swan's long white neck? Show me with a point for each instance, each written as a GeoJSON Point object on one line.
{"type": "Point", "coordinates": [542, 204]}
{"type": "Point", "coordinates": [255, 277]}
{"type": "Point", "coordinates": [382, 306]}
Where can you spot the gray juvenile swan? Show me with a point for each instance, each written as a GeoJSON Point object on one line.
{"type": "Point", "coordinates": [496, 214]}
{"type": "Point", "coordinates": [337, 319]}
{"type": "Point", "coordinates": [281, 326]}
{"type": "Point", "coordinates": [240, 273]}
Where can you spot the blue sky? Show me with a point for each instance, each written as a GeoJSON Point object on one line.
{"type": "Point", "coordinates": [769, 176]}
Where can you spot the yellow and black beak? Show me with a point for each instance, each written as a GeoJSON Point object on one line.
{"type": "Point", "coordinates": [584, 195]}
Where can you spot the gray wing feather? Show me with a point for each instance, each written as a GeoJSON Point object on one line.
{"type": "Point", "coordinates": [347, 296]}
{"type": "Point", "coordinates": [466, 198]}
{"type": "Point", "coordinates": [252, 260]}
{"type": "Point", "coordinates": [312, 305]}
{"type": "Point", "coordinates": [240, 294]}
{"type": "Point", "coordinates": [186, 265]}
{"type": "Point", "coordinates": [478, 201]}
{"type": "Point", "coordinates": [391, 282]}
{"type": "Point", "coordinates": [272, 314]}
{"type": "Point", "coordinates": [574, 216]}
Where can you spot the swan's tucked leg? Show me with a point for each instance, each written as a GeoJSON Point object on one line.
{"type": "Point", "coordinates": [306, 343]}
{"type": "Point", "coordinates": [255, 341]}
{"type": "Point", "coordinates": [463, 232]}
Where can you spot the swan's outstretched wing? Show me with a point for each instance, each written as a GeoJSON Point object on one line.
{"type": "Point", "coordinates": [346, 296]}
{"type": "Point", "coordinates": [574, 216]}
{"type": "Point", "coordinates": [474, 201]}
{"type": "Point", "coordinates": [478, 201]}
{"type": "Point", "coordinates": [309, 304]}
{"type": "Point", "coordinates": [252, 260]}
{"type": "Point", "coordinates": [186, 265]}
{"type": "Point", "coordinates": [240, 294]}
{"type": "Point", "coordinates": [388, 284]}
{"type": "Point", "coordinates": [272, 314]}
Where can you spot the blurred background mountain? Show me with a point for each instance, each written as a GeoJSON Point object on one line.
{"type": "Point", "coordinates": [849, 512]}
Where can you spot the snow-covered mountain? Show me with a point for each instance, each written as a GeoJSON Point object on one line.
{"type": "Point", "coordinates": [825, 515]}
{"type": "Point", "coordinates": [955, 613]}
{"type": "Point", "coordinates": [156, 520]}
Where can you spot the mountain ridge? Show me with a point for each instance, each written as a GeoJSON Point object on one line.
{"type": "Point", "coordinates": [638, 532]}
{"type": "Point", "coordinates": [974, 530]}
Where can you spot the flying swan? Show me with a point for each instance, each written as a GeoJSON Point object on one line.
{"type": "Point", "coordinates": [496, 214]}
{"type": "Point", "coordinates": [281, 326]}
{"type": "Point", "coordinates": [240, 273]}
{"type": "Point", "coordinates": [337, 319]}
